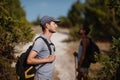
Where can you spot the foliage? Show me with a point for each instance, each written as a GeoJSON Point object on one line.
{"type": "Point", "coordinates": [110, 62]}
{"type": "Point", "coordinates": [14, 29]}
{"type": "Point", "coordinates": [37, 21]}
{"type": "Point", "coordinates": [102, 16]}
{"type": "Point", "coordinates": [75, 13]}
{"type": "Point", "coordinates": [74, 32]}
{"type": "Point", "coordinates": [116, 45]}
{"type": "Point", "coordinates": [76, 17]}
{"type": "Point", "coordinates": [103, 19]}
{"type": "Point", "coordinates": [65, 22]}
{"type": "Point", "coordinates": [6, 72]}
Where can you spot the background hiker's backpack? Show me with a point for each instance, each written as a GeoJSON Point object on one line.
{"type": "Point", "coordinates": [23, 70]}
{"type": "Point", "coordinates": [94, 50]}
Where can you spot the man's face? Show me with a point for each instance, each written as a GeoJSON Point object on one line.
{"type": "Point", "coordinates": [53, 27]}
{"type": "Point", "coordinates": [82, 31]}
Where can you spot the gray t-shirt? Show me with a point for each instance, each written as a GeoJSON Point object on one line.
{"type": "Point", "coordinates": [41, 48]}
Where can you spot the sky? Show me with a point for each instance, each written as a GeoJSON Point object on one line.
{"type": "Point", "coordinates": [54, 8]}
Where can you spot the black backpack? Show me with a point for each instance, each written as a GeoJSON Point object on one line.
{"type": "Point", "coordinates": [93, 50]}
{"type": "Point", "coordinates": [25, 71]}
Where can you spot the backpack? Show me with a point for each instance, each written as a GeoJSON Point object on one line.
{"type": "Point", "coordinates": [25, 71]}
{"type": "Point", "coordinates": [93, 50]}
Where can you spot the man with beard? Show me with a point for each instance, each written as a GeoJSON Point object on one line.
{"type": "Point", "coordinates": [40, 54]}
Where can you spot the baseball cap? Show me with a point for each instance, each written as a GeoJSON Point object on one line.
{"type": "Point", "coordinates": [46, 19]}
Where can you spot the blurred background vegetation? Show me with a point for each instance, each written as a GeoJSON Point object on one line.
{"type": "Point", "coordinates": [14, 29]}
{"type": "Point", "coordinates": [102, 16]}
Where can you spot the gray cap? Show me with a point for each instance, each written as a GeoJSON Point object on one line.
{"type": "Point", "coordinates": [47, 19]}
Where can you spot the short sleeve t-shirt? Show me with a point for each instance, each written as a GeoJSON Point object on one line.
{"type": "Point", "coordinates": [41, 48]}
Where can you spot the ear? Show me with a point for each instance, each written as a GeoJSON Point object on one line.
{"type": "Point", "coordinates": [47, 25]}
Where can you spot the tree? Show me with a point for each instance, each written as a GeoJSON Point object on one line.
{"type": "Point", "coordinates": [37, 21]}
{"type": "Point", "coordinates": [65, 22]}
{"type": "Point", "coordinates": [75, 13]}
{"type": "Point", "coordinates": [14, 29]}
{"type": "Point", "coordinates": [102, 16]}
{"type": "Point", "coordinates": [98, 15]}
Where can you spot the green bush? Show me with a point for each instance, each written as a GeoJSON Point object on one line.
{"type": "Point", "coordinates": [110, 62]}
{"type": "Point", "coordinates": [14, 29]}
{"type": "Point", "coordinates": [6, 72]}
{"type": "Point", "coordinates": [74, 33]}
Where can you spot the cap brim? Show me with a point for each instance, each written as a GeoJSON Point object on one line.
{"type": "Point", "coordinates": [57, 21]}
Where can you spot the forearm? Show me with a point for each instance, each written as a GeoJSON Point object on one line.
{"type": "Point", "coordinates": [33, 60]}
{"type": "Point", "coordinates": [38, 60]}
{"type": "Point", "coordinates": [81, 60]}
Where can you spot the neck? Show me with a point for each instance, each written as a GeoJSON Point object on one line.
{"type": "Point", "coordinates": [47, 34]}
{"type": "Point", "coordinates": [83, 35]}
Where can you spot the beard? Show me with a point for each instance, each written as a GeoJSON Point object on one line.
{"type": "Point", "coordinates": [52, 31]}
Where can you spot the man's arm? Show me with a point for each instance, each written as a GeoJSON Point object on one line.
{"type": "Point", "coordinates": [33, 60]}
{"type": "Point", "coordinates": [84, 42]}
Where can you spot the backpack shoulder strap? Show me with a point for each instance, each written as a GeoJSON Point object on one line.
{"type": "Point", "coordinates": [47, 43]}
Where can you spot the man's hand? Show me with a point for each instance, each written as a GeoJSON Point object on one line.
{"type": "Point", "coordinates": [75, 54]}
{"type": "Point", "coordinates": [51, 58]}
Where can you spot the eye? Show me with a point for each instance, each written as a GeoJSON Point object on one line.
{"type": "Point", "coordinates": [55, 24]}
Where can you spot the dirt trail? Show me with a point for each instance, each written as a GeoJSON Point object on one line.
{"type": "Point", "coordinates": [64, 64]}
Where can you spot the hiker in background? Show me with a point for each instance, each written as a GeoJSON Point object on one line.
{"type": "Point", "coordinates": [83, 52]}
{"type": "Point", "coordinates": [40, 53]}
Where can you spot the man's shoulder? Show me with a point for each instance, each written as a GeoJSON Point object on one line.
{"type": "Point", "coordinates": [85, 40]}
{"type": "Point", "coordinates": [39, 41]}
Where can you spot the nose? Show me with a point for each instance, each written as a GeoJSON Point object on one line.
{"type": "Point", "coordinates": [56, 25]}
